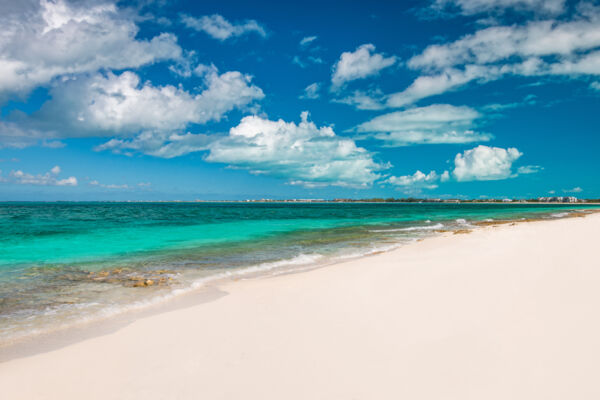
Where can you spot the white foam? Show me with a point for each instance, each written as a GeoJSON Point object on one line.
{"type": "Point", "coordinates": [559, 215]}
{"type": "Point", "coordinates": [411, 228]}
{"type": "Point", "coordinates": [108, 311]}
{"type": "Point", "coordinates": [371, 251]}
{"type": "Point", "coordinates": [298, 263]}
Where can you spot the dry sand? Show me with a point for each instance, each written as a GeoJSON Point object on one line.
{"type": "Point", "coordinates": [501, 313]}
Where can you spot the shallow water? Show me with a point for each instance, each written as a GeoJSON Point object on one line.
{"type": "Point", "coordinates": [61, 263]}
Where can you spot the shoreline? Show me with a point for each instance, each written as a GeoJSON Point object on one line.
{"type": "Point", "coordinates": [308, 201]}
{"type": "Point", "coordinates": [491, 306]}
{"type": "Point", "coordinates": [62, 336]}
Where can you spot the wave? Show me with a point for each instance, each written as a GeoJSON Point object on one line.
{"type": "Point", "coordinates": [559, 215]}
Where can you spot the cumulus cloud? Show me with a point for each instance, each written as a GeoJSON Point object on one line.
{"type": "Point", "coordinates": [434, 124]}
{"type": "Point", "coordinates": [121, 105]}
{"type": "Point", "coordinates": [361, 63]}
{"type": "Point", "coordinates": [221, 29]}
{"type": "Point", "coordinates": [481, 163]}
{"type": "Point", "coordinates": [485, 163]}
{"type": "Point", "coordinates": [573, 190]}
{"type": "Point", "coordinates": [301, 153]}
{"type": "Point", "coordinates": [311, 91]}
{"type": "Point", "coordinates": [471, 7]}
{"type": "Point", "coordinates": [48, 179]}
{"type": "Point", "coordinates": [45, 40]}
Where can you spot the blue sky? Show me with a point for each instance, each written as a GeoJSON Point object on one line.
{"type": "Point", "coordinates": [163, 100]}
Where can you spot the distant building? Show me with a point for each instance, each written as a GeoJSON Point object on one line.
{"type": "Point", "coordinates": [558, 199]}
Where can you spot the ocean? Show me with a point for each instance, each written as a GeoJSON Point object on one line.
{"type": "Point", "coordinates": [65, 263]}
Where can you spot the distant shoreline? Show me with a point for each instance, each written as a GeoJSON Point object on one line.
{"type": "Point", "coordinates": [308, 201]}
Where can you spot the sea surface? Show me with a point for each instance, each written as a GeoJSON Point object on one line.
{"type": "Point", "coordinates": [66, 263]}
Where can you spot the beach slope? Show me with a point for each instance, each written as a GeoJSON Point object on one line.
{"type": "Point", "coordinates": [507, 312]}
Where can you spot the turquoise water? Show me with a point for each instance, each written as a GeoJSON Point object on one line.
{"type": "Point", "coordinates": [60, 262]}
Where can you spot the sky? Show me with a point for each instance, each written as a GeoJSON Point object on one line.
{"type": "Point", "coordinates": [233, 100]}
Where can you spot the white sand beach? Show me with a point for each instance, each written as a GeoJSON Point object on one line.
{"type": "Point", "coordinates": [508, 312]}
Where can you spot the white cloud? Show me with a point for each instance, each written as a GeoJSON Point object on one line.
{"type": "Point", "coordinates": [574, 190]}
{"type": "Point", "coordinates": [311, 91]}
{"type": "Point", "coordinates": [485, 163]}
{"type": "Point", "coordinates": [47, 179]}
{"type": "Point", "coordinates": [14, 135]}
{"type": "Point", "coordinates": [108, 186]}
{"type": "Point", "coordinates": [107, 105]}
{"type": "Point", "coordinates": [307, 40]}
{"type": "Point", "coordinates": [536, 48]}
{"type": "Point", "coordinates": [53, 144]}
{"type": "Point", "coordinates": [470, 7]}
{"type": "Point", "coordinates": [481, 163]}
{"type": "Point", "coordinates": [418, 180]}
{"type": "Point", "coordinates": [361, 63]}
{"type": "Point", "coordinates": [445, 177]}
{"type": "Point", "coordinates": [304, 63]}
{"type": "Point", "coordinates": [152, 116]}
{"type": "Point", "coordinates": [184, 66]}
{"type": "Point", "coordinates": [528, 100]}
{"type": "Point", "coordinates": [301, 153]}
{"type": "Point", "coordinates": [219, 28]}
{"type": "Point", "coordinates": [529, 169]}
{"type": "Point", "coordinates": [55, 38]}
{"type": "Point", "coordinates": [159, 144]}
{"type": "Point", "coordinates": [371, 100]}
{"type": "Point", "coordinates": [434, 124]}
{"type": "Point", "coordinates": [429, 85]}
{"type": "Point", "coordinates": [535, 39]}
